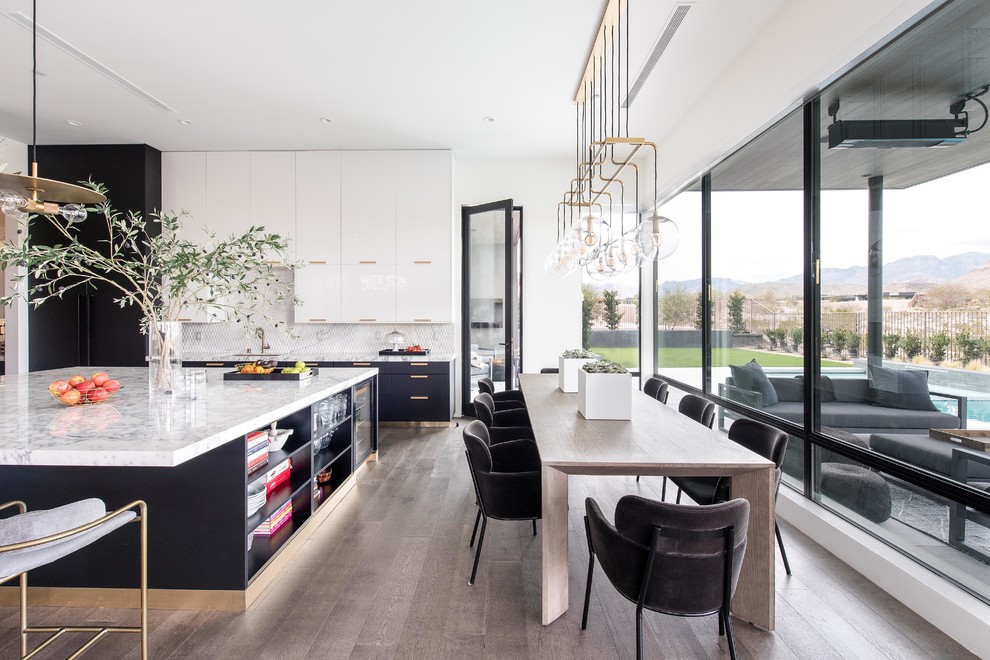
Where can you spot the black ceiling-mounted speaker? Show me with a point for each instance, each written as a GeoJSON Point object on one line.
{"type": "Point", "coordinates": [895, 133]}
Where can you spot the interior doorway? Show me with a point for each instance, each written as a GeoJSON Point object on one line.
{"type": "Point", "coordinates": [492, 297]}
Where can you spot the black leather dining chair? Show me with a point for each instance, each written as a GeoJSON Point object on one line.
{"type": "Point", "coordinates": [485, 410]}
{"type": "Point", "coordinates": [507, 483]}
{"type": "Point", "coordinates": [697, 408]}
{"type": "Point", "coordinates": [487, 386]}
{"type": "Point", "coordinates": [657, 388]}
{"type": "Point", "coordinates": [768, 442]}
{"type": "Point", "coordinates": [669, 558]}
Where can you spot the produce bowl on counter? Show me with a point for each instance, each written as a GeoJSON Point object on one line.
{"type": "Point", "coordinates": [78, 390]}
{"type": "Point", "coordinates": [267, 370]}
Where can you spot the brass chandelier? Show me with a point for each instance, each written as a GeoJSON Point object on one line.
{"type": "Point", "coordinates": [606, 161]}
{"type": "Point", "coordinates": [21, 194]}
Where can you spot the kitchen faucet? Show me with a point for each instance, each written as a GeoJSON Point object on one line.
{"type": "Point", "coordinates": [260, 332]}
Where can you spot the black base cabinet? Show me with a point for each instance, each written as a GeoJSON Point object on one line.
{"type": "Point", "coordinates": [198, 527]}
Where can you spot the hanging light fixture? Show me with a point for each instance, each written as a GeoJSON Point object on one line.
{"type": "Point", "coordinates": [605, 157]}
{"type": "Point", "coordinates": [20, 194]}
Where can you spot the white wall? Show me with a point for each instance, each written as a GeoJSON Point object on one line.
{"type": "Point", "coordinates": [551, 306]}
{"type": "Point", "coordinates": [15, 153]}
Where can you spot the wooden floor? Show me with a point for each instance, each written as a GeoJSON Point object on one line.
{"type": "Point", "coordinates": [386, 577]}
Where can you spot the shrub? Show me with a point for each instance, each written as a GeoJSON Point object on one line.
{"type": "Point", "coordinates": [912, 345]}
{"type": "Point", "coordinates": [937, 346]}
{"type": "Point", "coordinates": [839, 339]}
{"type": "Point", "coordinates": [891, 344]}
{"type": "Point", "coordinates": [777, 337]}
{"type": "Point", "coordinates": [735, 308]}
{"type": "Point", "coordinates": [579, 353]}
{"type": "Point", "coordinates": [969, 346]}
{"type": "Point", "coordinates": [604, 367]}
{"type": "Point", "coordinates": [854, 342]}
{"type": "Point", "coordinates": [797, 336]}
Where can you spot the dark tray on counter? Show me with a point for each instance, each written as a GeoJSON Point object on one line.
{"type": "Point", "coordinates": [237, 375]}
{"type": "Point", "coordinates": [386, 351]}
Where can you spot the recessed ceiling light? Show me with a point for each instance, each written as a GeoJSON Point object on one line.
{"type": "Point", "coordinates": [185, 122]}
{"type": "Point", "coordinates": [488, 120]}
{"type": "Point", "coordinates": [73, 122]}
{"type": "Point", "coordinates": [326, 120]}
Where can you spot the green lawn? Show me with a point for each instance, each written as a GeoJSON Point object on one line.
{"type": "Point", "coordinates": [691, 357]}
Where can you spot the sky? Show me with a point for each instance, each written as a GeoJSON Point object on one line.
{"type": "Point", "coordinates": [756, 236]}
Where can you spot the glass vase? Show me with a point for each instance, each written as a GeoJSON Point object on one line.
{"type": "Point", "coordinates": [164, 356]}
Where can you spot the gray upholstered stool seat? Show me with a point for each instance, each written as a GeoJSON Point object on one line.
{"type": "Point", "coordinates": [35, 525]}
{"type": "Point", "coordinates": [857, 488]}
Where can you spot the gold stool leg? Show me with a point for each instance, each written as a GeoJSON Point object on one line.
{"type": "Point", "coordinates": [23, 594]}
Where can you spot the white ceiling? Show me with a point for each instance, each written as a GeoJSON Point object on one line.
{"type": "Point", "coordinates": [392, 74]}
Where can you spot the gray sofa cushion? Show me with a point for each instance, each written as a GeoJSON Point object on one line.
{"type": "Point", "coordinates": [852, 390]}
{"type": "Point", "coordinates": [901, 388]}
{"type": "Point", "coordinates": [935, 455]}
{"type": "Point", "coordinates": [750, 376]}
{"type": "Point", "coordinates": [857, 488]}
{"type": "Point", "coordinates": [848, 415]}
{"type": "Point", "coordinates": [788, 389]}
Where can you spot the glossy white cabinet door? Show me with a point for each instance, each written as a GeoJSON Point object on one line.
{"type": "Point", "coordinates": [367, 207]}
{"type": "Point", "coordinates": [318, 206]}
{"type": "Point", "coordinates": [228, 192]}
{"type": "Point", "coordinates": [423, 293]}
{"type": "Point", "coordinates": [184, 189]}
{"type": "Point", "coordinates": [318, 287]}
{"type": "Point", "coordinates": [367, 293]}
{"type": "Point", "coordinates": [273, 206]}
{"type": "Point", "coordinates": [423, 225]}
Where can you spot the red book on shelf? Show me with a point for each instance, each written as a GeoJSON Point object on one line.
{"type": "Point", "coordinates": [276, 481]}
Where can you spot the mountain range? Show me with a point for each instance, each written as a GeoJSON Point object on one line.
{"type": "Point", "coordinates": [969, 270]}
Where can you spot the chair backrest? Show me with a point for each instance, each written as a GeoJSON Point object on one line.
{"type": "Point", "coordinates": [486, 385]}
{"type": "Point", "coordinates": [484, 408]}
{"type": "Point", "coordinates": [654, 387]}
{"type": "Point", "coordinates": [478, 430]}
{"type": "Point", "coordinates": [697, 408]}
{"type": "Point", "coordinates": [694, 555]}
{"type": "Point", "coordinates": [768, 442]}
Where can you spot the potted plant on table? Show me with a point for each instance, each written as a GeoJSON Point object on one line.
{"type": "Point", "coordinates": [604, 391]}
{"type": "Point", "coordinates": [570, 361]}
{"type": "Point", "coordinates": [145, 263]}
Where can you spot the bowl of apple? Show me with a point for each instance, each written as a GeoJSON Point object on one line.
{"type": "Point", "coordinates": [78, 390]}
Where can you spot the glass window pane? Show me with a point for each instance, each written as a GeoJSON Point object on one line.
{"type": "Point", "coordinates": [678, 338]}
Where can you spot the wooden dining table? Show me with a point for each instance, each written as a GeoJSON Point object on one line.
{"type": "Point", "coordinates": [656, 441]}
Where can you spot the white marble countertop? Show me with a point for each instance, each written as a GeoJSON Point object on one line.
{"type": "Point", "coordinates": [135, 428]}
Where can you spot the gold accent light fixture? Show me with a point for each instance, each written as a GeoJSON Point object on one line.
{"type": "Point", "coordinates": [21, 194]}
{"type": "Point", "coordinates": [590, 237]}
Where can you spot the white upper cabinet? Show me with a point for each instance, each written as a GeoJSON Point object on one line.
{"type": "Point", "coordinates": [273, 177]}
{"type": "Point", "coordinates": [368, 293]}
{"type": "Point", "coordinates": [318, 206]}
{"type": "Point", "coordinates": [423, 207]}
{"type": "Point", "coordinates": [184, 189]}
{"type": "Point", "coordinates": [423, 293]}
{"type": "Point", "coordinates": [317, 286]}
{"type": "Point", "coordinates": [367, 207]}
{"type": "Point", "coordinates": [228, 192]}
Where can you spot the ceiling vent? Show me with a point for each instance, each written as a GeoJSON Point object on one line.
{"type": "Point", "coordinates": [673, 22]}
{"type": "Point", "coordinates": [106, 72]}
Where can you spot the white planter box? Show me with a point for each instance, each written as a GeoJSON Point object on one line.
{"type": "Point", "coordinates": [604, 396]}
{"type": "Point", "coordinates": [568, 373]}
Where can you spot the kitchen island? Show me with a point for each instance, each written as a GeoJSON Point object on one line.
{"type": "Point", "coordinates": [188, 459]}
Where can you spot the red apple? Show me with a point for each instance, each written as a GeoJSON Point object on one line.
{"type": "Point", "coordinates": [97, 394]}
{"type": "Point", "coordinates": [99, 378]}
{"type": "Point", "coordinates": [71, 397]}
{"type": "Point", "coordinates": [85, 386]}
{"type": "Point", "coordinates": [59, 387]}
{"type": "Point", "coordinates": [75, 380]}
{"type": "Point", "coordinates": [111, 386]}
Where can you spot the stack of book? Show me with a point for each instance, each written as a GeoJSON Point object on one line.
{"type": "Point", "coordinates": [278, 475]}
{"type": "Point", "coordinates": [257, 450]}
{"type": "Point", "coordinates": [281, 516]}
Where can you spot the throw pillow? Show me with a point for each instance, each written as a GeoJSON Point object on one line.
{"type": "Point", "coordinates": [751, 376]}
{"type": "Point", "coordinates": [901, 388]}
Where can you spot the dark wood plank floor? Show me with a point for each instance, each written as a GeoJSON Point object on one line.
{"type": "Point", "coordinates": [386, 577]}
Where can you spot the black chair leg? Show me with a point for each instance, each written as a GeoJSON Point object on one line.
{"type": "Point", "coordinates": [780, 543]}
{"type": "Point", "coordinates": [728, 634]}
{"type": "Point", "coordinates": [637, 478]}
{"type": "Point", "coordinates": [477, 555]}
{"type": "Point", "coordinates": [721, 624]}
{"type": "Point", "coordinates": [678, 496]}
{"type": "Point", "coordinates": [639, 633]}
{"type": "Point", "coordinates": [591, 574]}
{"type": "Point", "coordinates": [474, 532]}
{"type": "Point", "coordinates": [663, 489]}
{"type": "Point", "coordinates": [534, 526]}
